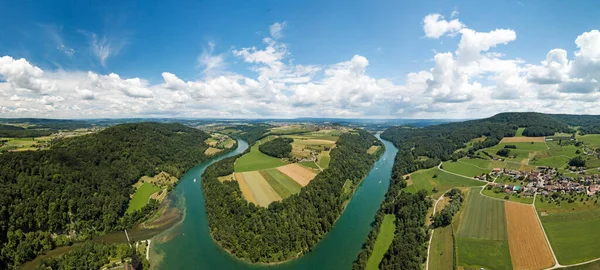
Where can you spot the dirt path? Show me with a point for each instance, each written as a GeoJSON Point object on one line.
{"type": "Point", "coordinates": [432, 230]}
{"type": "Point", "coordinates": [459, 175]}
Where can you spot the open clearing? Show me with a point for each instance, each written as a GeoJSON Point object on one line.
{"type": "Point", "coordinates": [384, 239]}
{"type": "Point", "coordinates": [141, 196]}
{"type": "Point", "coordinates": [256, 160]}
{"type": "Point", "coordinates": [526, 240]}
{"type": "Point", "coordinates": [314, 141]}
{"type": "Point", "coordinates": [226, 178]}
{"type": "Point", "coordinates": [464, 168]}
{"type": "Point", "coordinates": [522, 139]}
{"type": "Point", "coordinates": [263, 192]}
{"type": "Point", "coordinates": [211, 151]}
{"type": "Point", "coordinates": [246, 191]}
{"type": "Point", "coordinates": [300, 174]}
{"type": "Point", "coordinates": [441, 255]}
{"type": "Point", "coordinates": [479, 253]}
{"type": "Point", "coordinates": [519, 132]}
{"type": "Point", "coordinates": [373, 149]}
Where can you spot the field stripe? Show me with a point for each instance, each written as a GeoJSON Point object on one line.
{"type": "Point", "coordinates": [262, 191]}
{"type": "Point", "coordinates": [246, 191]}
{"type": "Point", "coordinates": [527, 243]}
{"type": "Point", "coordinates": [278, 187]}
{"type": "Point", "coordinates": [292, 186]}
{"type": "Point", "coordinates": [483, 218]}
{"type": "Point", "coordinates": [300, 174]}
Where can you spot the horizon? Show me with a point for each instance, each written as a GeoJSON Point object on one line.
{"type": "Point", "coordinates": [238, 60]}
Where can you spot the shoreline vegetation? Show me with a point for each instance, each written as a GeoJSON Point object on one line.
{"type": "Point", "coordinates": [181, 148]}
{"type": "Point", "coordinates": [246, 224]}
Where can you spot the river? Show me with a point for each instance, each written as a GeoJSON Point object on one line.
{"type": "Point", "coordinates": [189, 245]}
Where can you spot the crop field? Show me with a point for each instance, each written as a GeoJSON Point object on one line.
{"type": "Point", "coordinates": [141, 196]}
{"type": "Point", "coordinates": [211, 142]}
{"type": "Point", "coordinates": [574, 234]}
{"type": "Point", "coordinates": [256, 160]}
{"type": "Point", "coordinates": [591, 140]}
{"type": "Point", "coordinates": [464, 168]}
{"type": "Point", "coordinates": [300, 174]}
{"type": "Point", "coordinates": [226, 178]}
{"type": "Point", "coordinates": [441, 254]}
{"type": "Point", "coordinates": [245, 188]}
{"type": "Point", "coordinates": [373, 149]}
{"type": "Point", "coordinates": [425, 179]}
{"type": "Point", "coordinates": [520, 139]}
{"type": "Point", "coordinates": [526, 240]}
{"type": "Point", "coordinates": [384, 239]}
{"type": "Point", "coordinates": [483, 218]}
{"type": "Point", "coordinates": [480, 253]}
{"type": "Point", "coordinates": [263, 192]}
{"type": "Point", "coordinates": [283, 185]}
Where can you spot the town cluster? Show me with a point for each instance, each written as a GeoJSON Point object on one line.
{"type": "Point", "coordinates": [544, 181]}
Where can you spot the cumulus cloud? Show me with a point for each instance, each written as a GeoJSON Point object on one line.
{"type": "Point", "coordinates": [211, 64]}
{"type": "Point", "coordinates": [436, 26]}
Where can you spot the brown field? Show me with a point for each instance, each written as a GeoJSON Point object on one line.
{"type": "Point", "coordinates": [526, 240]}
{"type": "Point", "coordinates": [246, 191]}
{"type": "Point", "coordinates": [301, 175]}
{"type": "Point", "coordinates": [226, 178]}
{"type": "Point", "coordinates": [522, 139]}
{"type": "Point", "coordinates": [373, 149]}
{"type": "Point", "coordinates": [211, 151]}
{"type": "Point", "coordinates": [263, 192]}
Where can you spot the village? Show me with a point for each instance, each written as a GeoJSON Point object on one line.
{"type": "Point", "coordinates": [543, 180]}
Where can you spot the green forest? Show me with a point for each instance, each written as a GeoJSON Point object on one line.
{"type": "Point", "coordinates": [278, 147]}
{"type": "Point", "coordinates": [293, 226]}
{"type": "Point", "coordinates": [81, 186]}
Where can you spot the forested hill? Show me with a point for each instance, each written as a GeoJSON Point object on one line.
{"type": "Point", "coordinates": [81, 185]}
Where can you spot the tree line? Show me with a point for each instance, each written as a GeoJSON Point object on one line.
{"type": "Point", "coordinates": [81, 186]}
{"type": "Point", "coordinates": [279, 147]}
{"type": "Point", "coordinates": [289, 228]}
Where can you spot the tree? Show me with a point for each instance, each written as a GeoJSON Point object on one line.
{"type": "Point", "coordinates": [504, 152]}
{"type": "Point", "coordinates": [577, 161]}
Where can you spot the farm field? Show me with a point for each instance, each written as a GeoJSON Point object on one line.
{"type": "Point", "coordinates": [464, 168]}
{"type": "Point", "coordinates": [424, 179]}
{"type": "Point", "coordinates": [519, 132]}
{"type": "Point", "coordinates": [591, 140]}
{"type": "Point", "coordinates": [482, 238]}
{"type": "Point", "coordinates": [526, 240]}
{"type": "Point", "coordinates": [256, 160]}
{"type": "Point", "coordinates": [309, 164]}
{"type": "Point", "coordinates": [441, 254]}
{"type": "Point", "coordinates": [373, 149]}
{"type": "Point", "coordinates": [324, 159]}
{"type": "Point", "coordinates": [300, 174]}
{"type": "Point", "coordinates": [245, 188]}
{"type": "Point", "coordinates": [511, 197]}
{"type": "Point", "coordinates": [573, 234]}
{"type": "Point", "coordinates": [263, 192]}
{"type": "Point", "coordinates": [521, 139]}
{"type": "Point", "coordinates": [384, 239]}
{"type": "Point", "coordinates": [283, 185]}
{"type": "Point", "coordinates": [141, 196]}
{"type": "Point", "coordinates": [211, 151]}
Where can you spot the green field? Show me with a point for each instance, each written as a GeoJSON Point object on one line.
{"type": "Point", "coordinates": [309, 164]}
{"type": "Point", "coordinates": [483, 218]}
{"type": "Point", "coordinates": [519, 132]}
{"type": "Point", "coordinates": [589, 266]}
{"type": "Point", "coordinates": [482, 239]}
{"type": "Point", "coordinates": [324, 159]}
{"type": "Point", "coordinates": [591, 140]}
{"type": "Point", "coordinates": [465, 169]}
{"type": "Point", "coordinates": [291, 186]}
{"type": "Point", "coordinates": [384, 239]}
{"type": "Point", "coordinates": [480, 253]}
{"type": "Point", "coordinates": [256, 160]}
{"type": "Point", "coordinates": [441, 254]}
{"type": "Point", "coordinates": [574, 234]}
{"type": "Point", "coordinates": [512, 197]}
{"type": "Point", "coordinates": [424, 179]}
{"type": "Point", "coordinates": [141, 196]}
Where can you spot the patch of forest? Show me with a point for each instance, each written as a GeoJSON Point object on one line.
{"type": "Point", "coordinates": [293, 226]}
{"type": "Point", "coordinates": [278, 147]}
{"type": "Point", "coordinates": [81, 186]}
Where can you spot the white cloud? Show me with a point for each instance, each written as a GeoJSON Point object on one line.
{"type": "Point", "coordinates": [211, 65]}
{"type": "Point", "coordinates": [276, 29]}
{"type": "Point", "coordinates": [435, 26]}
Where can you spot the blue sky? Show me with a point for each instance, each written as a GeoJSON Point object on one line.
{"type": "Point", "coordinates": [348, 58]}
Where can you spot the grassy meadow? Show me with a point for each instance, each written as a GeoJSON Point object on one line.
{"type": "Point", "coordinates": [141, 196]}
{"type": "Point", "coordinates": [384, 239]}
{"type": "Point", "coordinates": [256, 160]}
{"type": "Point", "coordinates": [442, 181]}
{"type": "Point", "coordinates": [441, 254]}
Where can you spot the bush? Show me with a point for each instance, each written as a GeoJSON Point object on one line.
{"type": "Point", "coordinates": [504, 152]}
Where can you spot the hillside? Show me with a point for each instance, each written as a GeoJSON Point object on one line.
{"type": "Point", "coordinates": [81, 186]}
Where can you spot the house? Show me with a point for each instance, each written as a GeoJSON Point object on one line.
{"type": "Point", "coordinates": [516, 188]}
